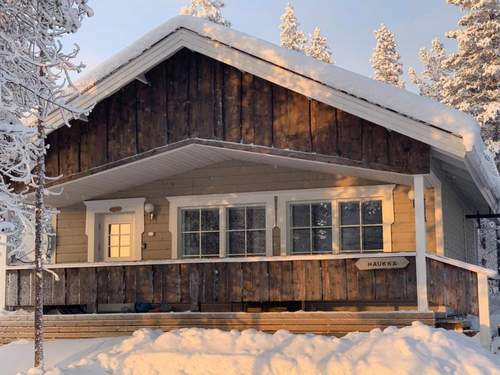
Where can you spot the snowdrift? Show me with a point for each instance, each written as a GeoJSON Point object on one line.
{"type": "Point", "coordinates": [418, 349]}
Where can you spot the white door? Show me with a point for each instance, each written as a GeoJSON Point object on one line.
{"type": "Point", "coordinates": [118, 241]}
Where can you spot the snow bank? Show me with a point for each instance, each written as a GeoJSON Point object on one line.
{"type": "Point", "coordinates": [418, 349]}
{"type": "Point", "coordinates": [385, 95]}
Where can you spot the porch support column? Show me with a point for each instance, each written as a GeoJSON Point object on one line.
{"type": "Point", "coordinates": [420, 242]}
{"type": "Point", "coordinates": [484, 310]}
{"type": "Point", "coordinates": [3, 270]}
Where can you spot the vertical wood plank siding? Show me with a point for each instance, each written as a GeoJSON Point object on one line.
{"type": "Point", "coordinates": [219, 283]}
{"type": "Point", "coordinates": [453, 287]}
{"type": "Point", "coordinates": [191, 95]}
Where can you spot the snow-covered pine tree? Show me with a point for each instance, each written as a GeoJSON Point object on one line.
{"type": "Point", "coordinates": [430, 81]}
{"type": "Point", "coordinates": [208, 9]}
{"type": "Point", "coordinates": [473, 85]}
{"type": "Point", "coordinates": [385, 58]}
{"type": "Point", "coordinates": [318, 47]}
{"type": "Point", "coordinates": [290, 36]}
{"type": "Point", "coordinates": [33, 75]}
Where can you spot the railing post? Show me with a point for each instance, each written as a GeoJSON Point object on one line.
{"type": "Point", "coordinates": [420, 242]}
{"type": "Point", "coordinates": [484, 310]}
{"type": "Point", "coordinates": [3, 270]}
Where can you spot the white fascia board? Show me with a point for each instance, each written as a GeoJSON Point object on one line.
{"type": "Point", "coordinates": [448, 143]}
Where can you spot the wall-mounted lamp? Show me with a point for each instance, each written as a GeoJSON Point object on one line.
{"type": "Point", "coordinates": [149, 208]}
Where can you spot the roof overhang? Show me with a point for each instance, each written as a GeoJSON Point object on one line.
{"type": "Point", "coordinates": [193, 155]}
{"type": "Point", "coordinates": [269, 64]}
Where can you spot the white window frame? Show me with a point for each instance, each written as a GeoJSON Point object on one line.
{"type": "Point", "coordinates": [222, 202]}
{"type": "Point", "coordinates": [335, 195]}
{"type": "Point", "coordinates": [95, 211]}
{"type": "Point", "coordinates": [284, 197]}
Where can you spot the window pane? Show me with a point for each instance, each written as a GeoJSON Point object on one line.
{"type": "Point", "coordinates": [125, 240]}
{"type": "Point", "coordinates": [114, 241]}
{"type": "Point", "coordinates": [124, 228]}
{"type": "Point", "coordinates": [301, 241]}
{"type": "Point", "coordinates": [321, 214]}
{"type": "Point", "coordinates": [349, 213]}
{"type": "Point", "coordinates": [191, 244]}
{"type": "Point", "coordinates": [124, 251]}
{"type": "Point", "coordinates": [210, 243]}
{"type": "Point", "coordinates": [300, 215]}
{"type": "Point", "coordinates": [373, 238]}
{"type": "Point", "coordinates": [210, 219]}
{"type": "Point", "coordinates": [114, 228]}
{"type": "Point", "coordinates": [322, 240]}
{"type": "Point", "coordinates": [256, 218]}
{"type": "Point", "coordinates": [190, 220]}
{"type": "Point", "coordinates": [372, 212]}
{"type": "Point", "coordinates": [236, 242]}
{"type": "Point", "coordinates": [236, 218]}
{"type": "Point", "coordinates": [256, 242]}
{"type": "Point", "coordinates": [114, 252]}
{"type": "Point", "coordinates": [349, 239]}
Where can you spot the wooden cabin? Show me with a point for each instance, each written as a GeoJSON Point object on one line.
{"type": "Point", "coordinates": [220, 173]}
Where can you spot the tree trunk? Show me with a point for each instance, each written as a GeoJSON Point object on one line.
{"type": "Point", "coordinates": [38, 270]}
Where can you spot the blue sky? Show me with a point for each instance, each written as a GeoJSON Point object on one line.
{"type": "Point", "coordinates": [348, 25]}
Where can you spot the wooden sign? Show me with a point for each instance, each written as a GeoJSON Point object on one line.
{"type": "Point", "coordinates": [381, 263]}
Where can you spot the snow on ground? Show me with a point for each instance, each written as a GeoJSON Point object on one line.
{"type": "Point", "coordinates": [418, 349]}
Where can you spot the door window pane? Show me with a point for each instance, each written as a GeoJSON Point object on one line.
{"type": "Point", "coordinates": [119, 240]}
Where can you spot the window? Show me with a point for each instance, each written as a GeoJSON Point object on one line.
{"type": "Point", "coordinates": [311, 227]}
{"type": "Point", "coordinates": [119, 240]}
{"type": "Point", "coordinates": [200, 232]}
{"type": "Point", "coordinates": [361, 227]}
{"type": "Point", "coordinates": [246, 230]}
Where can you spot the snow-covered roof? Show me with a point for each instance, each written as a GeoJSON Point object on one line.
{"type": "Point", "coordinates": [398, 100]}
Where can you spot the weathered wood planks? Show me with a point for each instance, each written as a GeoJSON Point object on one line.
{"type": "Point", "coordinates": [452, 287]}
{"type": "Point", "coordinates": [191, 95]}
{"type": "Point", "coordinates": [107, 325]}
{"type": "Point", "coordinates": [193, 284]}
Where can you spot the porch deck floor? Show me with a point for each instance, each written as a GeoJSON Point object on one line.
{"type": "Point", "coordinates": [19, 326]}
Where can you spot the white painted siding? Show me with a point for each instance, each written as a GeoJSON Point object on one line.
{"type": "Point", "coordinates": [459, 233]}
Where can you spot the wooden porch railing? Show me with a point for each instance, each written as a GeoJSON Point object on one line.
{"type": "Point", "coordinates": [195, 284]}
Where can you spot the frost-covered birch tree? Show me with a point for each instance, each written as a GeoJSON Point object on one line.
{"type": "Point", "coordinates": [208, 9]}
{"type": "Point", "coordinates": [473, 85]}
{"type": "Point", "coordinates": [290, 36]}
{"type": "Point", "coordinates": [430, 82]}
{"type": "Point", "coordinates": [34, 73]}
{"type": "Point", "coordinates": [318, 47]}
{"type": "Point", "coordinates": [385, 58]}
